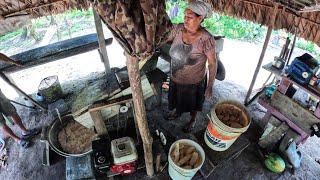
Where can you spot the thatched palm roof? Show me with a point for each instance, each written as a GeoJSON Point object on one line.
{"type": "Point", "coordinates": [301, 16]}
{"type": "Point", "coordinates": [293, 16]}
{"type": "Point", "coordinates": [15, 13]}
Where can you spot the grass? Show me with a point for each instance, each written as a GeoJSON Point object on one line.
{"type": "Point", "coordinates": [11, 35]}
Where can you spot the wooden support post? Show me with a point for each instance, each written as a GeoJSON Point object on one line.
{"type": "Point", "coordinates": [140, 112]}
{"type": "Point", "coordinates": [99, 123]}
{"type": "Point", "coordinates": [102, 44]}
{"type": "Point", "coordinates": [265, 45]}
{"type": "Point", "coordinates": [5, 78]}
{"type": "Point", "coordinates": [292, 48]}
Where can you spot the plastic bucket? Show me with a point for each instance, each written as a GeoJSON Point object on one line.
{"type": "Point", "coordinates": [50, 89]}
{"type": "Point", "coordinates": [179, 173]}
{"type": "Point", "coordinates": [218, 136]}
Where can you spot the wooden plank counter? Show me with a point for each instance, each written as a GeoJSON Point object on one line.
{"type": "Point", "coordinates": [295, 112]}
{"type": "Point", "coordinates": [285, 109]}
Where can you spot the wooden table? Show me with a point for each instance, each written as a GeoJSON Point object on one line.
{"type": "Point", "coordinates": [286, 109]}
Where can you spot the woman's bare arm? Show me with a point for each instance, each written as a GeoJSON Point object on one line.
{"type": "Point", "coordinates": [212, 65]}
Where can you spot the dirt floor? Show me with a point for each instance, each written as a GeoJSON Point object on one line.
{"type": "Point", "coordinates": [26, 164]}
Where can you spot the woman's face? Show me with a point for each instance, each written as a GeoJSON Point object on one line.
{"type": "Point", "coordinates": [191, 20]}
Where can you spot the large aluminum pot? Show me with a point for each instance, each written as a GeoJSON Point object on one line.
{"type": "Point", "coordinates": [52, 136]}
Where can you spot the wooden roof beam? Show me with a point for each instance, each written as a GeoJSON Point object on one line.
{"type": "Point", "coordinates": [32, 7]}
{"type": "Point", "coordinates": [287, 8]}
{"type": "Point", "coordinates": [311, 9]}
{"type": "Point", "coordinates": [292, 5]}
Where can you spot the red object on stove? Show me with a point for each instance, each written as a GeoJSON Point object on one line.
{"type": "Point", "coordinates": [124, 169]}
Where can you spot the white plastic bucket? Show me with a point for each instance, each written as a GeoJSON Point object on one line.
{"type": "Point", "coordinates": [219, 136]}
{"type": "Point", "coordinates": [179, 173]}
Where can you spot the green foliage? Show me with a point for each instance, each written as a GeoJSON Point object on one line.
{"type": "Point", "coordinates": [79, 13]}
{"type": "Point", "coordinates": [306, 45]}
{"type": "Point", "coordinates": [234, 28]}
{"type": "Point", "coordinates": [10, 35]}
{"type": "Point", "coordinates": [45, 22]}
{"type": "Point", "coordinates": [221, 24]}
{"type": "Point", "coordinates": [182, 6]}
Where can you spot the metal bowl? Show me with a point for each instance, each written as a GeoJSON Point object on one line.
{"type": "Point", "coordinates": [52, 136]}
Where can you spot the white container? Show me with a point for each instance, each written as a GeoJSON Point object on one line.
{"type": "Point", "coordinates": [178, 173]}
{"type": "Point", "coordinates": [219, 136]}
{"type": "Point", "coordinates": [123, 151]}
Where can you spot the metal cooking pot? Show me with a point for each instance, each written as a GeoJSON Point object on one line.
{"type": "Point", "coordinates": [52, 136]}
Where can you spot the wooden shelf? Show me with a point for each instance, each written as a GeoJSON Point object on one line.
{"type": "Point", "coordinates": [286, 109]}
{"type": "Point", "coordinates": [308, 88]}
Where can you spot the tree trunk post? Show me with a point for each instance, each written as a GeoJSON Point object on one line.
{"type": "Point", "coordinates": [140, 112]}
{"type": "Point", "coordinates": [265, 45]}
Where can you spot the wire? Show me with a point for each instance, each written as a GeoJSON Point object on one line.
{"type": "Point", "coordinates": [21, 104]}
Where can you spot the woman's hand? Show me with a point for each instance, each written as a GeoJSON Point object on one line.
{"type": "Point", "coordinates": [208, 93]}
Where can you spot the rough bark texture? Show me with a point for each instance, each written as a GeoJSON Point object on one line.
{"type": "Point", "coordinates": [140, 112]}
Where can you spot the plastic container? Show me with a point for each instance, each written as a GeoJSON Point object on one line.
{"type": "Point", "coordinates": [50, 89]}
{"type": "Point", "coordinates": [179, 173]}
{"type": "Point", "coordinates": [219, 136]}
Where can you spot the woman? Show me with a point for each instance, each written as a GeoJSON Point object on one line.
{"type": "Point", "coordinates": [7, 109]}
{"type": "Point", "coordinates": [192, 48]}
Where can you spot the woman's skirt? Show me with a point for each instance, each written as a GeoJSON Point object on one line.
{"type": "Point", "coordinates": [186, 97]}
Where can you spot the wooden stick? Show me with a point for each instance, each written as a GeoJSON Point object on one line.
{"type": "Point", "coordinates": [99, 123]}
{"type": "Point", "coordinates": [265, 45]}
{"type": "Point", "coordinates": [102, 43]}
{"type": "Point", "coordinates": [101, 104]}
{"type": "Point", "coordinates": [285, 48]}
{"type": "Point", "coordinates": [36, 6]}
{"type": "Point", "coordinates": [5, 78]}
{"type": "Point", "coordinates": [140, 112]}
{"type": "Point", "coordinates": [158, 160]}
{"type": "Point", "coordinates": [162, 168]}
{"type": "Point", "coordinates": [292, 48]}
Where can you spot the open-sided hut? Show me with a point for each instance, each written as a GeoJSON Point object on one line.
{"type": "Point", "coordinates": [149, 24]}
